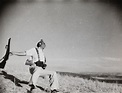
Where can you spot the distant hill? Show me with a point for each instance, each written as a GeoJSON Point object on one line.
{"type": "Point", "coordinates": [106, 77]}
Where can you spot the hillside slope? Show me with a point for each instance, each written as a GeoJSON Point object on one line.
{"type": "Point", "coordinates": [18, 83]}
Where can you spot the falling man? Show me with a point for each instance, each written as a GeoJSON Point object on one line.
{"type": "Point", "coordinates": [37, 65]}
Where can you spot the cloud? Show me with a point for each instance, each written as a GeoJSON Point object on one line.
{"type": "Point", "coordinates": [112, 59]}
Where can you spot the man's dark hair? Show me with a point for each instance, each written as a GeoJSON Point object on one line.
{"type": "Point", "coordinates": [42, 42]}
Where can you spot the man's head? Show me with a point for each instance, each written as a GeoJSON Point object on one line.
{"type": "Point", "coordinates": [41, 44]}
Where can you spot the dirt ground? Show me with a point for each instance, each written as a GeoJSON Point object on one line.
{"type": "Point", "coordinates": [10, 84]}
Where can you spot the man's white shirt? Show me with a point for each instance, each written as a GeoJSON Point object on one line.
{"type": "Point", "coordinates": [34, 55]}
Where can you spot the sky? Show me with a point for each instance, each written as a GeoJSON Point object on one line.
{"type": "Point", "coordinates": [79, 36]}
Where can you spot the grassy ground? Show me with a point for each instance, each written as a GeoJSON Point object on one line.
{"type": "Point", "coordinates": [16, 76]}
{"type": "Point", "coordinates": [18, 83]}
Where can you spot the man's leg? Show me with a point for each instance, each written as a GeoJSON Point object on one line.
{"type": "Point", "coordinates": [53, 79]}
{"type": "Point", "coordinates": [52, 76]}
{"type": "Point", "coordinates": [32, 70]}
{"type": "Point", "coordinates": [35, 76]}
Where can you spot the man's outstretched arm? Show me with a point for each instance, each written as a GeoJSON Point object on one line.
{"type": "Point", "coordinates": [18, 53]}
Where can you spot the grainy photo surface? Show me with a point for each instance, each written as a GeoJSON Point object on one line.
{"type": "Point", "coordinates": [80, 41]}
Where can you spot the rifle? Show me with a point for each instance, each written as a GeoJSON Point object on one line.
{"type": "Point", "coordinates": [6, 56]}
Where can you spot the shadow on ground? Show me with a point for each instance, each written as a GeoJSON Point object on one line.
{"type": "Point", "coordinates": [13, 79]}
{"type": "Point", "coordinates": [18, 82]}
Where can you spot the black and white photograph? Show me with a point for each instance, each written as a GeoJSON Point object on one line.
{"type": "Point", "coordinates": [60, 46]}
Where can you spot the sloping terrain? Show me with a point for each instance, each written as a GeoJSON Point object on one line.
{"type": "Point", "coordinates": [18, 83]}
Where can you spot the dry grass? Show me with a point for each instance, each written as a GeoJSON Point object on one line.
{"type": "Point", "coordinates": [17, 83]}
{"type": "Point", "coordinates": [79, 85]}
